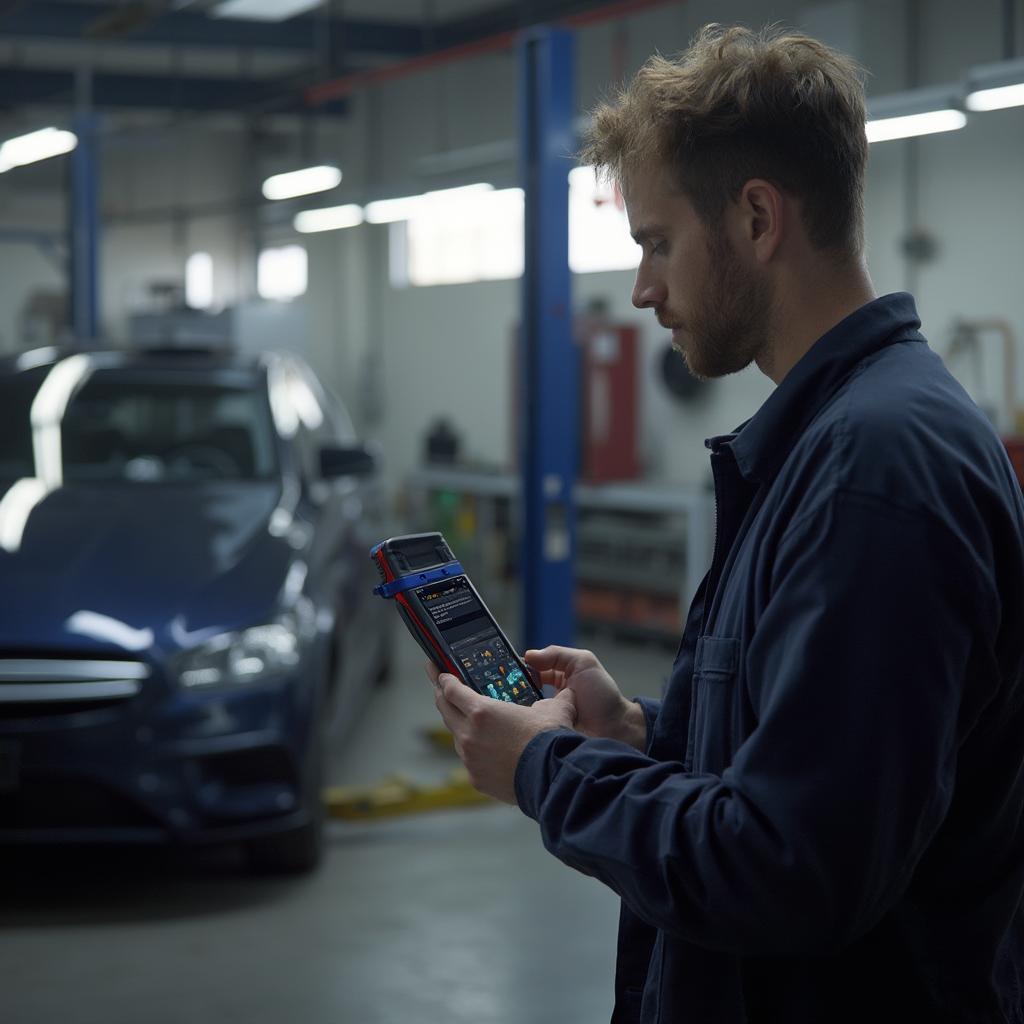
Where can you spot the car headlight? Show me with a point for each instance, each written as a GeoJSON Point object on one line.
{"type": "Point", "coordinates": [247, 656]}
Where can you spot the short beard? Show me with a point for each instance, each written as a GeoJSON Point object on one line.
{"type": "Point", "coordinates": [730, 325]}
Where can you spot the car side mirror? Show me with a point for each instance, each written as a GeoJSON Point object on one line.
{"type": "Point", "coordinates": [354, 461]}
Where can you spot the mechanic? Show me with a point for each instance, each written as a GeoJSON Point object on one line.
{"type": "Point", "coordinates": [821, 821]}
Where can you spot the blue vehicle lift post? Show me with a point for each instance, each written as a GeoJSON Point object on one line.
{"type": "Point", "coordinates": [84, 219]}
{"type": "Point", "coordinates": [548, 357]}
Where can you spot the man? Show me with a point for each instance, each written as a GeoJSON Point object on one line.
{"type": "Point", "coordinates": [822, 819]}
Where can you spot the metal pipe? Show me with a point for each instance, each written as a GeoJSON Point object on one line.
{"type": "Point", "coordinates": [966, 335]}
{"type": "Point", "coordinates": [1009, 29]}
{"type": "Point", "coordinates": [347, 84]}
{"type": "Point", "coordinates": [1005, 331]}
{"type": "Point", "coordinates": [84, 220]}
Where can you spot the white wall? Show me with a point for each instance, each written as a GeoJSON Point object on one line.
{"type": "Point", "coordinates": [25, 267]}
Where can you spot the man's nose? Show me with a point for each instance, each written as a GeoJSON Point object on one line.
{"type": "Point", "coordinates": [647, 292]}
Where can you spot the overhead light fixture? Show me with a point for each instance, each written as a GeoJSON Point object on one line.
{"type": "Point", "coordinates": [996, 86]}
{"type": "Point", "coordinates": [303, 182]}
{"type": "Point", "coordinates": [40, 145]}
{"type": "Point", "coordinates": [263, 10]}
{"type": "Point", "coordinates": [917, 112]}
{"type": "Point", "coordinates": [386, 211]}
{"type": "Point", "coordinates": [331, 218]}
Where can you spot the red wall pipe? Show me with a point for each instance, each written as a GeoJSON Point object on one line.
{"type": "Point", "coordinates": [338, 87]}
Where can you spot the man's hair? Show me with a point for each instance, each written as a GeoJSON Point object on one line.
{"type": "Point", "coordinates": [739, 105]}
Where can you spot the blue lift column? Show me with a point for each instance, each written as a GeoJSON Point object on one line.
{"type": "Point", "coordinates": [548, 357]}
{"type": "Point", "coordinates": [84, 221]}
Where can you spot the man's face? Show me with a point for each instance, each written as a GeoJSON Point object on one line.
{"type": "Point", "coordinates": [717, 308]}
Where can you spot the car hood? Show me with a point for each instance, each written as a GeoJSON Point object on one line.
{"type": "Point", "coordinates": [133, 566]}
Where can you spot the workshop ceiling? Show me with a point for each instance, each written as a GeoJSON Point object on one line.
{"type": "Point", "coordinates": [177, 55]}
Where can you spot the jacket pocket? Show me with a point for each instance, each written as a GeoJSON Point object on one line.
{"type": "Point", "coordinates": [712, 736]}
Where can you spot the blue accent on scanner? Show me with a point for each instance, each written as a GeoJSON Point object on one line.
{"type": "Point", "coordinates": [418, 579]}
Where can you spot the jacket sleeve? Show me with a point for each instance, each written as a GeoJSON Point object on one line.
{"type": "Point", "coordinates": [650, 707]}
{"type": "Point", "coordinates": [855, 674]}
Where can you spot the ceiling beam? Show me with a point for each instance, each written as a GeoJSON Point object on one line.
{"type": "Point", "coordinates": [50, 19]}
{"type": "Point", "coordinates": [510, 17]}
{"type": "Point", "coordinates": [22, 86]}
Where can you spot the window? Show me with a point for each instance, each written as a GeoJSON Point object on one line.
{"type": "Point", "coordinates": [282, 273]}
{"type": "Point", "coordinates": [599, 236]}
{"type": "Point", "coordinates": [476, 236]}
{"type": "Point", "coordinates": [199, 280]}
{"type": "Point", "coordinates": [142, 427]}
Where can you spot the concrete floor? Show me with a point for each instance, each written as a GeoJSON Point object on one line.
{"type": "Point", "coordinates": [455, 917]}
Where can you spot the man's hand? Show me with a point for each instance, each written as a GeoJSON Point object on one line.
{"type": "Point", "coordinates": [490, 735]}
{"type": "Point", "coordinates": [601, 709]}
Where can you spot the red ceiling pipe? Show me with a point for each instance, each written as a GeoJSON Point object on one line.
{"type": "Point", "coordinates": [347, 84]}
{"type": "Point", "coordinates": [339, 87]}
{"type": "Point", "coordinates": [616, 10]}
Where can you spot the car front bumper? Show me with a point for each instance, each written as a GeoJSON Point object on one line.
{"type": "Point", "coordinates": [161, 764]}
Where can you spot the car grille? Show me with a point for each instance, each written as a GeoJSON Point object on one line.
{"type": "Point", "coordinates": [69, 803]}
{"type": "Point", "coordinates": [35, 687]}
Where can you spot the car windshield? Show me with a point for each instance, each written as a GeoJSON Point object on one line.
{"type": "Point", "coordinates": [142, 426]}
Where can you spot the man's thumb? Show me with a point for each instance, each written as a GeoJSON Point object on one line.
{"type": "Point", "coordinates": [567, 697]}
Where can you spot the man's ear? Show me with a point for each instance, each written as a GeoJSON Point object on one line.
{"type": "Point", "coordinates": [762, 209]}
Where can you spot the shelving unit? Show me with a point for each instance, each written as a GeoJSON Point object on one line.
{"type": "Point", "coordinates": [641, 549]}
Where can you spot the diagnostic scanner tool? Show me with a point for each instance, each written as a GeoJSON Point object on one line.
{"type": "Point", "coordinates": [447, 617]}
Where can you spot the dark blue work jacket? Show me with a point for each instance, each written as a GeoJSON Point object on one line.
{"type": "Point", "coordinates": [827, 822]}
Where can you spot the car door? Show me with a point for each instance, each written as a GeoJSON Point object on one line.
{"type": "Point", "coordinates": [348, 511]}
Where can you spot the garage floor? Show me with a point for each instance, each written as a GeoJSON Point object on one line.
{"type": "Point", "coordinates": [458, 917]}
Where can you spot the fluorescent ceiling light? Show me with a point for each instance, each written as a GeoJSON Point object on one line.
{"type": "Point", "coordinates": [996, 99]}
{"type": "Point", "coordinates": [996, 86]}
{"type": "Point", "coordinates": [916, 112]}
{"type": "Point", "coordinates": [911, 125]}
{"type": "Point", "coordinates": [386, 211]}
{"type": "Point", "coordinates": [263, 10]}
{"type": "Point", "coordinates": [302, 182]}
{"type": "Point", "coordinates": [329, 219]}
{"type": "Point", "coordinates": [40, 145]}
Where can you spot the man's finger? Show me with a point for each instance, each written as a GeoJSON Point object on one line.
{"type": "Point", "coordinates": [550, 677]}
{"type": "Point", "coordinates": [450, 714]}
{"type": "Point", "coordinates": [563, 698]}
{"type": "Point", "coordinates": [567, 697]}
{"type": "Point", "coordinates": [458, 694]}
{"type": "Point", "coordinates": [558, 659]}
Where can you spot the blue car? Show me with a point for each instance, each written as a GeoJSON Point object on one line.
{"type": "Point", "coordinates": [187, 613]}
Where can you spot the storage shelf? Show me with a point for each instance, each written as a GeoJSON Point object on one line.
{"type": "Point", "coordinates": [634, 540]}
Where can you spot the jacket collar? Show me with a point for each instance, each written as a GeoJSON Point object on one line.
{"type": "Point", "coordinates": [761, 444]}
